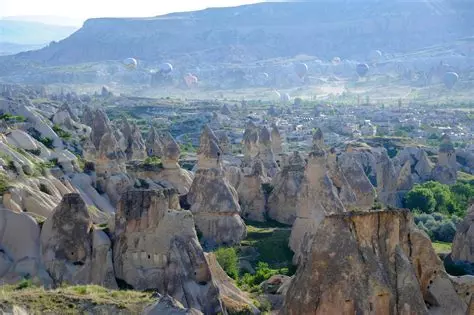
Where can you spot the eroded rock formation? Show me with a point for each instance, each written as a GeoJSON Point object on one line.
{"type": "Point", "coordinates": [445, 170]}
{"type": "Point", "coordinates": [372, 263]}
{"type": "Point", "coordinates": [214, 202]}
{"type": "Point", "coordinates": [286, 190]}
{"type": "Point", "coordinates": [317, 198]}
{"type": "Point", "coordinates": [156, 247]}
{"type": "Point", "coordinates": [72, 250]}
{"type": "Point", "coordinates": [463, 242]}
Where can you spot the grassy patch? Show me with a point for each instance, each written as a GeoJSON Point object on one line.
{"type": "Point", "coordinates": [442, 247]}
{"type": "Point", "coordinates": [72, 300]}
{"type": "Point", "coordinates": [271, 241]}
{"type": "Point", "coordinates": [465, 177]}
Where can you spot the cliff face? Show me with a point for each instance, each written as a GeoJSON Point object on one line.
{"type": "Point", "coordinates": [266, 30]}
{"type": "Point", "coordinates": [371, 263]}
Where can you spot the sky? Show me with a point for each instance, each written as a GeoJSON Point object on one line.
{"type": "Point", "coordinates": [80, 10]}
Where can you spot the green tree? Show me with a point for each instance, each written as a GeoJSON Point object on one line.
{"type": "Point", "coordinates": [420, 198]}
{"type": "Point", "coordinates": [227, 258]}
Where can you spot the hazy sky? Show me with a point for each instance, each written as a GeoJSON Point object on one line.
{"type": "Point", "coordinates": [83, 9]}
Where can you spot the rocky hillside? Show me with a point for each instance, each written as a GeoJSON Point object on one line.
{"type": "Point", "coordinates": [349, 29]}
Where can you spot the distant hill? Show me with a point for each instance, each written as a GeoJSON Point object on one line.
{"type": "Point", "coordinates": [46, 19]}
{"type": "Point", "coordinates": [12, 48]}
{"type": "Point", "coordinates": [349, 29]}
{"type": "Point", "coordinates": [32, 33]}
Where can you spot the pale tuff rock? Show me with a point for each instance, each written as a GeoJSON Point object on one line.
{"type": "Point", "coordinates": [250, 142]}
{"type": "Point", "coordinates": [386, 179]}
{"type": "Point", "coordinates": [265, 152]}
{"type": "Point", "coordinates": [131, 139]}
{"type": "Point", "coordinates": [464, 239]}
{"type": "Point", "coordinates": [339, 180]}
{"type": "Point", "coordinates": [225, 110]}
{"type": "Point", "coordinates": [358, 181]}
{"type": "Point", "coordinates": [36, 195]}
{"type": "Point", "coordinates": [276, 140]}
{"type": "Point", "coordinates": [286, 190]}
{"type": "Point", "coordinates": [371, 263]}
{"type": "Point", "coordinates": [156, 247]}
{"type": "Point", "coordinates": [153, 143]}
{"type": "Point", "coordinates": [169, 170]}
{"type": "Point", "coordinates": [464, 286]}
{"type": "Point", "coordinates": [317, 198]}
{"type": "Point", "coordinates": [214, 204]}
{"type": "Point", "coordinates": [171, 151]}
{"type": "Point", "coordinates": [233, 298]}
{"type": "Point", "coordinates": [224, 142]}
{"type": "Point", "coordinates": [72, 250]}
{"type": "Point", "coordinates": [100, 125]}
{"type": "Point", "coordinates": [251, 193]}
{"type": "Point", "coordinates": [445, 170]}
{"type": "Point", "coordinates": [420, 164]}
{"type": "Point", "coordinates": [166, 305]}
{"type": "Point", "coordinates": [209, 153]}
{"type": "Point", "coordinates": [19, 255]}
{"type": "Point", "coordinates": [405, 179]}
{"type": "Point", "coordinates": [318, 139]}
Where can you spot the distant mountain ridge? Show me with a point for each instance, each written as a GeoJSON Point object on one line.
{"type": "Point", "coordinates": [349, 29]}
{"type": "Point", "coordinates": [32, 33]}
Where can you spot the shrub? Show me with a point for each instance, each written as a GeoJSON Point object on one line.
{"type": "Point", "coordinates": [152, 160]}
{"type": "Point", "coordinates": [445, 231]}
{"type": "Point", "coordinates": [4, 183]}
{"type": "Point", "coordinates": [423, 218]}
{"type": "Point", "coordinates": [48, 142]}
{"type": "Point", "coordinates": [262, 272]}
{"type": "Point", "coordinates": [420, 198]}
{"type": "Point", "coordinates": [24, 284]}
{"type": "Point", "coordinates": [267, 188]}
{"type": "Point", "coordinates": [61, 132]}
{"type": "Point", "coordinates": [227, 258]}
{"type": "Point", "coordinates": [12, 118]}
{"type": "Point", "coordinates": [36, 152]}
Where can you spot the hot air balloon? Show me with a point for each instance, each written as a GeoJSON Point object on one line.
{"type": "Point", "coordinates": [375, 56]}
{"type": "Point", "coordinates": [336, 60]}
{"type": "Point", "coordinates": [301, 69]}
{"type": "Point", "coordinates": [190, 80]}
{"type": "Point", "coordinates": [362, 69]}
{"type": "Point", "coordinates": [130, 63]}
{"type": "Point", "coordinates": [450, 79]}
{"type": "Point", "coordinates": [262, 78]}
{"type": "Point", "coordinates": [166, 68]}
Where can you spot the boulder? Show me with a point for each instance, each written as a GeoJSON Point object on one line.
{"type": "Point", "coordinates": [156, 247]}
{"type": "Point", "coordinates": [72, 250]}
{"type": "Point", "coordinates": [20, 249]}
{"type": "Point", "coordinates": [375, 262]}
{"type": "Point", "coordinates": [166, 305]}
{"type": "Point", "coordinates": [286, 190]}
